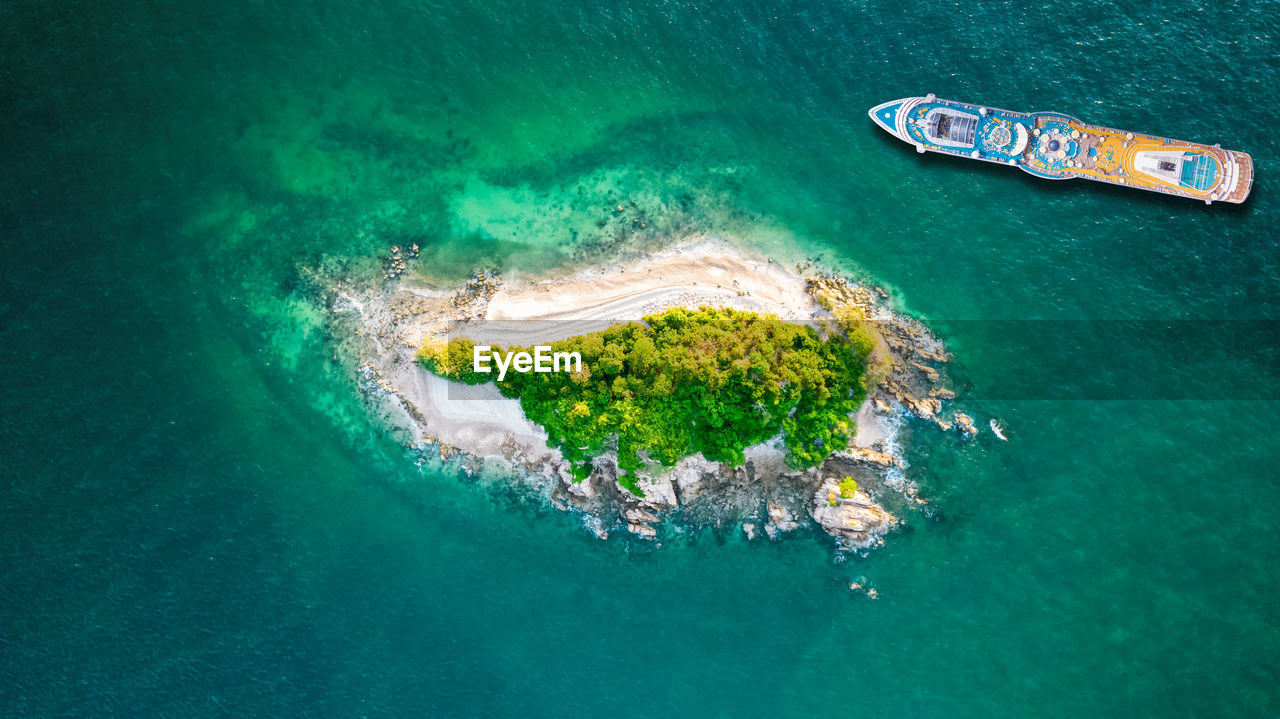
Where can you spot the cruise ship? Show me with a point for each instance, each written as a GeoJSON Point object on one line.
{"type": "Point", "coordinates": [1060, 147]}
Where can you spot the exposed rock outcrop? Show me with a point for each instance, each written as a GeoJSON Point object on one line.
{"type": "Point", "coordinates": [659, 491]}
{"type": "Point", "coordinates": [640, 522]}
{"type": "Point", "coordinates": [857, 521]}
{"type": "Point", "coordinates": [781, 520]}
{"type": "Point", "coordinates": [880, 459]}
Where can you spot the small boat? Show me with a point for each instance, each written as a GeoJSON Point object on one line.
{"type": "Point", "coordinates": [1060, 147]}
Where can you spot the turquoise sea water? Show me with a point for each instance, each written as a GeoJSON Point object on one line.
{"type": "Point", "coordinates": [201, 518]}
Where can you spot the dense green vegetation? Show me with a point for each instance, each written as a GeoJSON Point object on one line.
{"type": "Point", "coordinates": [680, 382]}
{"type": "Point", "coordinates": [848, 487]}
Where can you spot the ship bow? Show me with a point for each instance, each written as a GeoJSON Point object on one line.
{"type": "Point", "coordinates": [886, 115]}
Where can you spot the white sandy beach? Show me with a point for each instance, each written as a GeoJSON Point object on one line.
{"type": "Point", "coordinates": [706, 272]}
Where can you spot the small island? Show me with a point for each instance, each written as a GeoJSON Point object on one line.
{"type": "Point", "coordinates": [714, 389]}
{"type": "Point", "coordinates": [681, 382]}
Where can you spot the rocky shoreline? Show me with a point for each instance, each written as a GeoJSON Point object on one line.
{"type": "Point", "coordinates": [764, 497]}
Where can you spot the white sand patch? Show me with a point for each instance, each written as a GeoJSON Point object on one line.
{"type": "Point", "coordinates": [872, 426]}
{"type": "Point", "coordinates": [707, 272]}
{"type": "Point", "coordinates": [477, 419]}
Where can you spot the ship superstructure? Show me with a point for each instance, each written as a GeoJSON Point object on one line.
{"type": "Point", "coordinates": [1060, 147]}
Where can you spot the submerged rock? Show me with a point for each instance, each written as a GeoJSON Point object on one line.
{"type": "Point", "coordinates": [596, 527]}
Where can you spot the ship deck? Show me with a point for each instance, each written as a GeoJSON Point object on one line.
{"type": "Point", "coordinates": [1109, 155]}
{"type": "Point", "coordinates": [1056, 146]}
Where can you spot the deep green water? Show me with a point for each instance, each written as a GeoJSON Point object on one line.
{"type": "Point", "coordinates": [200, 518]}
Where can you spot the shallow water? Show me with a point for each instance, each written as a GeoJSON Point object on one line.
{"type": "Point", "coordinates": [201, 517]}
